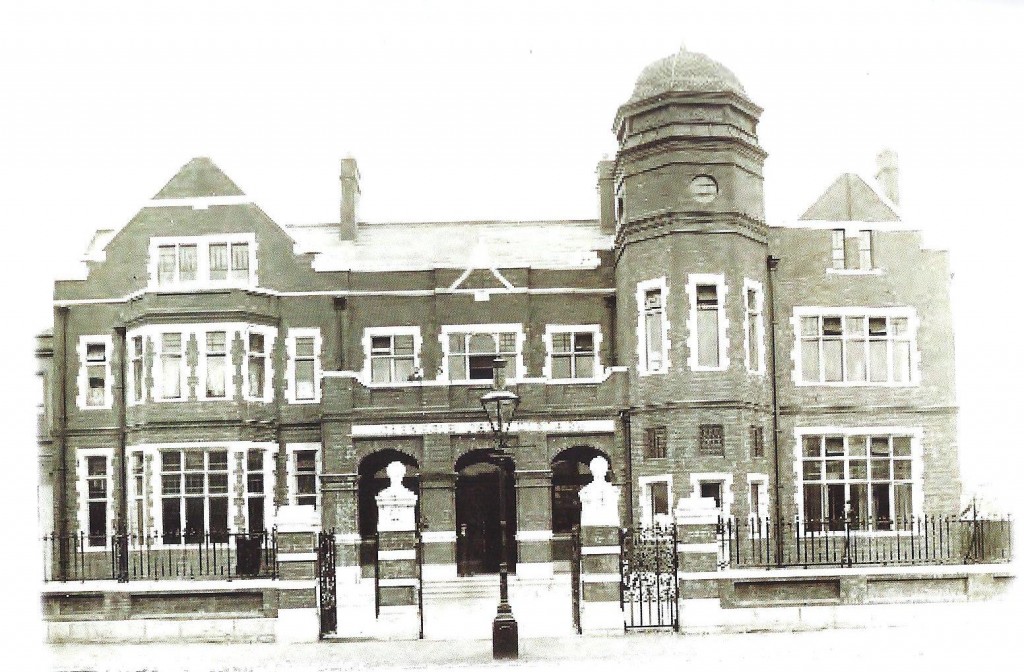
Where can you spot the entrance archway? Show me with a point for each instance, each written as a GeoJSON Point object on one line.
{"type": "Point", "coordinates": [478, 513]}
{"type": "Point", "coordinates": [372, 479]}
{"type": "Point", "coordinates": [570, 471]}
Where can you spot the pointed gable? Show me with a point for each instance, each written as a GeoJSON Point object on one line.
{"type": "Point", "coordinates": [851, 199]}
{"type": "Point", "coordinates": [199, 178]}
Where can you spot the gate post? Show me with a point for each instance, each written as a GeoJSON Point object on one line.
{"type": "Point", "coordinates": [297, 612]}
{"type": "Point", "coordinates": [398, 578]}
{"type": "Point", "coordinates": [600, 548]}
{"type": "Point", "coordinates": [697, 547]}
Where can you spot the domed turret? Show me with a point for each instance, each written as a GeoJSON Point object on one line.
{"type": "Point", "coordinates": [684, 71]}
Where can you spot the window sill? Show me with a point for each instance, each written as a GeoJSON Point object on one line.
{"type": "Point", "coordinates": [853, 271]}
{"type": "Point", "coordinates": [804, 383]}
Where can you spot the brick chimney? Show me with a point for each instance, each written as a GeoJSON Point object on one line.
{"type": "Point", "coordinates": [349, 198]}
{"type": "Point", "coordinates": [606, 194]}
{"type": "Point", "coordinates": [888, 175]}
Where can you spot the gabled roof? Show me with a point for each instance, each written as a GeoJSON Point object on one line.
{"type": "Point", "coordinates": [199, 178]}
{"type": "Point", "coordinates": [852, 199]}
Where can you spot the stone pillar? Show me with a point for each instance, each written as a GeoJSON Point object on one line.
{"type": "Point", "coordinates": [398, 583]}
{"type": "Point", "coordinates": [533, 523]}
{"type": "Point", "coordinates": [437, 510]}
{"type": "Point", "coordinates": [600, 610]}
{"type": "Point", "coordinates": [340, 506]}
{"type": "Point", "coordinates": [297, 615]}
{"type": "Point", "coordinates": [697, 539]}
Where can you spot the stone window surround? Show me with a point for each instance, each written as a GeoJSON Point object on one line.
{"type": "Point", "coordinates": [647, 517]}
{"type": "Point", "coordinates": [293, 334]}
{"type": "Point", "coordinates": [908, 312]}
{"type": "Point", "coordinates": [494, 328]}
{"type": "Point", "coordinates": [82, 491]}
{"type": "Point", "coordinates": [83, 374]}
{"type": "Point", "coordinates": [417, 345]}
{"type": "Point", "coordinates": [725, 478]}
{"type": "Point", "coordinates": [761, 480]}
{"type": "Point", "coordinates": [916, 434]}
{"type": "Point", "coordinates": [641, 331]}
{"type": "Point", "coordinates": [202, 244]}
{"type": "Point", "coordinates": [551, 329]}
{"type": "Point", "coordinates": [290, 474]}
{"type": "Point", "coordinates": [757, 367]}
{"type": "Point", "coordinates": [717, 279]}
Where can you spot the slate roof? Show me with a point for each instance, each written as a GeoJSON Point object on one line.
{"type": "Point", "coordinates": [479, 244]}
{"type": "Point", "coordinates": [199, 178]}
{"type": "Point", "coordinates": [851, 198]}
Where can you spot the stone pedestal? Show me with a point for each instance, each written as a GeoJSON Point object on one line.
{"type": "Point", "coordinates": [398, 582]}
{"type": "Point", "coordinates": [697, 538]}
{"type": "Point", "coordinates": [600, 610]}
{"type": "Point", "coordinates": [298, 615]}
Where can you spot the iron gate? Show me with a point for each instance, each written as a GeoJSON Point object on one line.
{"type": "Point", "coordinates": [326, 585]}
{"type": "Point", "coordinates": [575, 562]}
{"type": "Point", "coordinates": [648, 568]}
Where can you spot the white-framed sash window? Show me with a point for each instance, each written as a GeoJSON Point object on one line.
{"type": "Point", "coordinates": [652, 326]}
{"type": "Point", "coordinates": [573, 352]}
{"type": "Point", "coordinates": [304, 368]}
{"type": "Point", "coordinates": [392, 354]}
{"type": "Point", "coordinates": [303, 474]}
{"type": "Point", "coordinates": [202, 262]}
{"type": "Point", "coordinates": [95, 491]}
{"type": "Point", "coordinates": [753, 326]}
{"type": "Point", "coordinates": [707, 326]}
{"type": "Point", "coordinates": [95, 379]}
{"type": "Point", "coordinates": [470, 351]}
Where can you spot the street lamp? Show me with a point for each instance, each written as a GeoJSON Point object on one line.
{"type": "Point", "coordinates": [500, 405]}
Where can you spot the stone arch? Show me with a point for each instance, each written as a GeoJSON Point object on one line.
{"type": "Point", "coordinates": [478, 480]}
{"type": "Point", "coordinates": [570, 471]}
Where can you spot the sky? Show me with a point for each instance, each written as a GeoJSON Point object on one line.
{"type": "Point", "coordinates": [460, 110]}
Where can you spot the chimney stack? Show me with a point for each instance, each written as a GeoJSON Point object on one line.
{"type": "Point", "coordinates": [606, 194]}
{"type": "Point", "coordinates": [888, 175]}
{"type": "Point", "coordinates": [349, 198]}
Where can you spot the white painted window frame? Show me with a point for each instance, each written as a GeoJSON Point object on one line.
{"type": "Point", "coordinates": [290, 382]}
{"type": "Point", "coordinates": [908, 312]}
{"type": "Point", "coordinates": [83, 372]}
{"type": "Point", "coordinates": [291, 477]}
{"type": "Point", "coordinates": [551, 329]}
{"type": "Point", "coordinates": [849, 233]}
{"type": "Point", "coordinates": [718, 280]}
{"type": "Point", "coordinates": [230, 334]}
{"type": "Point", "coordinates": [82, 490]}
{"type": "Point", "coordinates": [916, 434]}
{"type": "Point", "coordinates": [761, 480]}
{"type": "Point", "coordinates": [158, 364]}
{"type": "Point", "coordinates": [643, 365]}
{"type": "Point", "coordinates": [152, 505]}
{"type": "Point", "coordinates": [269, 340]}
{"type": "Point", "coordinates": [268, 484]}
{"type": "Point", "coordinates": [202, 244]}
{"type": "Point", "coordinates": [756, 314]}
{"type": "Point", "coordinates": [134, 361]}
{"type": "Point", "coordinates": [417, 345]}
{"type": "Point", "coordinates": [448, 330]}
{"type": "Point", "coordinates": [136, 494]}
{"type": "Point", "coordinates": [723, 477]}
{"type": "Point", "coordinates": [647, 515]}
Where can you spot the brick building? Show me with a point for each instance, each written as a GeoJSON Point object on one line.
{"type": "Point", "coordinates": [785, 371]}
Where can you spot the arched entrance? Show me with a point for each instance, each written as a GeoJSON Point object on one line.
{"type": "Point", "coordinates": [478, 513]}
{"type": "Point", "coordinates": [570, 471]}
{"type": "Point", "coordinates": [372, 479]}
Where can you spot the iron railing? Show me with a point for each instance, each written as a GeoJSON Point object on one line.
{"type": "Point", "coordinates": [920, 540]}
{"type": "Point", "coordinates": [148, 557]}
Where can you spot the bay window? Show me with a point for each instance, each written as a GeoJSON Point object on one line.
{"type": "Point", "coordinates": [216, 364]}
{"type": "Point", "coordinates": [707, 337]}
{"type": "Point", "coordinates": [172, 370]}
{"type": "Point", "coordinates": [652, 326]}
{"type": "Point", "coordinates": [194, 493]}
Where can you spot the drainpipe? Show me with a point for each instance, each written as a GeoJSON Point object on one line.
{"type": "Point", "coordinates": [773, 264]}
{"type": "Point", "coordinates": [60, 436]}
{"type": "Point", "coordinates": [121, 457]}
{"type": "Point", "coordinates": [628, 440]}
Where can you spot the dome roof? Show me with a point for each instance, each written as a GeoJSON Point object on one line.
{"type": "Point", "coordinates": [684, 71]}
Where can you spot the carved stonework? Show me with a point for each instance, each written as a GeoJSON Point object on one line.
{"type": "Point", "coordinates": [396, 504]}
{"type": "Point", "coordinates": [599, 500]}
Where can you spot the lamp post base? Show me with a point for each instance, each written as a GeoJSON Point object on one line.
{"type": "Point", "coordinates": [505, 636]}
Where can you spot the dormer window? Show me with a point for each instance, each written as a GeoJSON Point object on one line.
{"type": "Point", "coordinates": [198, 262]}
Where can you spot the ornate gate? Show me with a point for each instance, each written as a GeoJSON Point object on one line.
{"type": "Point", "coordinates": [326, 584]}
{"type": "Point", "coordinates": [648, 568]}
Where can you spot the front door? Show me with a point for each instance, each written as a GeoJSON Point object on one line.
{"type": "Point", "coordinates": [478, 519]}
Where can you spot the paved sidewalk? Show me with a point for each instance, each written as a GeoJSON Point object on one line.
{"type": "Point", "coordinates": [978, 635]}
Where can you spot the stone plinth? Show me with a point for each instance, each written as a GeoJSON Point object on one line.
{"type": "Point", "coordinates": [600, 610]}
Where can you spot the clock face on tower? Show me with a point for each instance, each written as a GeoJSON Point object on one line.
{"type": "Point", "coordinates": [703, 188]}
